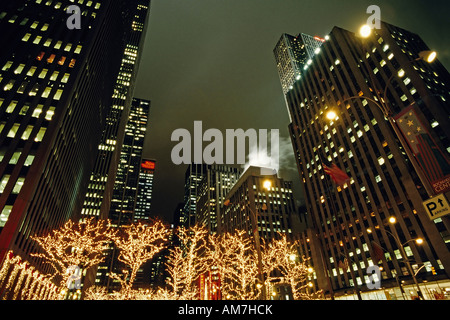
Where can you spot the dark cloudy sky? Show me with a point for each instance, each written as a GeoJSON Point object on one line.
{"type": "Point", "coordinates": [212, 60]}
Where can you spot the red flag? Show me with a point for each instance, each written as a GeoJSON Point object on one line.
{"type": "Point", "coordinates": [343, 265]}
{"type": "Point", "coordinates": [378, 252]}
{"type": "Point", "coordinates": [339, 177]}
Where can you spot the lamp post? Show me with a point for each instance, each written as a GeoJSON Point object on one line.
{"type": "Point", "coordinates": [400, 245]}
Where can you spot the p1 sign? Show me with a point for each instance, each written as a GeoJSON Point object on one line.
{"type": "Point", "coordinates": [437, 207]}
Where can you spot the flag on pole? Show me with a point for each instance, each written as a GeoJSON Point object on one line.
{"type": "Point", "coordinates": [343, 264]}
{"type": "Point", "coordinates": [337, 175]}
{"type": "Point", "coordinates": [378, 252]}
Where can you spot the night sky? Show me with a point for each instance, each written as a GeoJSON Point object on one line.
{"type": "Point", "coordinates": [212, 60]}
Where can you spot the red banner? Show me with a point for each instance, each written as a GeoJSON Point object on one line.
{"type": "Point", "coordinates": [434, 163]}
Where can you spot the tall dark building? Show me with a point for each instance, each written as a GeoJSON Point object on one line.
{"type": "Point", "coordinates": [260, 202]}
{"type": "Point", "coordinates": [214, 186]}
{"type": "Point", "coordinates": [365, 82]}
{"type": "Point", "coordinates": [126, 186]}
{"type": "Point", "coordinates": [192, 180]}
{"type": "Point", "coordinates": [145, 190]}
{"type": "Point", "coordinates": [292, 55]}
{"type": "Point", "coordinates": [102, 179]}
{"type": "Point", "coordinates": [56, 87]}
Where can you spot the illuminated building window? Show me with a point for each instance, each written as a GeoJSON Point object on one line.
{"type": "Point", "coordinates": [11, 107]}
{"type": "Point", "coordinates": [5, 215]}
{"type": "Point", "coordinates": [37, 40]}
{"type": "Point", "coordinates": [26, 37]}
{"type": "Point", "coordinates": [46, 92]}
{"type": "Point", "coordinates": [34, 25]}
{"type": "Point", "coordinates": [12, 132]}
{"type": "Point", "coordinates": [62, 60]}
{"type": "Point", "coordinates": [7, 66]}
{"type": "Point", "coordinates": [50, 113]}
{"type": "Point", "coordinates": [65, 78]}
{"type": "Point", "coordinates": [68, 47]}
{"type": "Point", "coordinates": [40, 134]}
{"type": "Point", "coordinates": [22, 87]}
{"type": "Point", "coordinates": [47, 42]}
{"type": "Point", "coordinates": [72, 63]}
{"type": "Point", "coordinates": [3, 182]}
{"type": "Point", "coordinates": [44, 27]}
{"type": "Point", "coordinates": [19, 69]}
{"type": "Point", "coordinates": [51, 58]}
{"type": "Point", "coordinates": [40, 56]}
{"type": "Point", "coordinates": [9, 85]}
{"type": "Point", "coordinates": [78, 49]}
{"type": "Point", "coordinates": [58, 44]}
{"type": "Point", "coordinates": [15, 157]}
{"type": "Point", "coordinates": [26, 134]}
{"type": "Point", "coordinates": [37, 111]}
{"type": "Point", "coordinates": [31, 71]}
{"type": "Point", "coordinates": [54, 76]}
{"type": "Point", "coordinates": [58, 94]}
{"type": "Point", "coordinates": [24, 109]}
{"type": "Point", "coordinates": [18, 185]}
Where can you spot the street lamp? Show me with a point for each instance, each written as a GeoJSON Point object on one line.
{"type": "Point", "coordinates": [331, 115]}
{"type": "Point", "coordinates": [267, 184]}
{"type": "Point", "coordinates": [400, 245]}
{"type": "Point", "coordinates": [365, 31]}
{"type": "Point", "coordinates": [428, 56]}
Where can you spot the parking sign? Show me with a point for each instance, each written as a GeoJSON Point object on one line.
{"type": "Point", "coordinates": [437, 207]}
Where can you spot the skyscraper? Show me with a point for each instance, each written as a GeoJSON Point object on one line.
{"type": "Point", "coordinates": [55, 92]}
{"type": "Point", "coordinates": [262, 203]}
{"type": "Point", "coordinates": [192, 179]}
{"type": "Point", "coordinates": [145, 189]}
{"type": "Point", "coordinates": [125, 193]}
{"type": "Point", "coordinates": [292, 55]}
{"type": "Point", "coordinates": [214, 186]}
{"type": "Point", "coordinates": [102, 179]}
{"type": "Point", "coordinates": [364, 82]}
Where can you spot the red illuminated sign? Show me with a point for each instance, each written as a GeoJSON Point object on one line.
{"type": "Point", "coordinates": [150, 165]}
{"type": "Point", "coordinates": [320, 39]}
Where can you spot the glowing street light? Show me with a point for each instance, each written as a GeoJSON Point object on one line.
{"type": "Point", "coordinates": [428, 56]}
{"type": "Point", "coordinates": [365, 31]}
{"type": "Point", "coordinates": [392, 220]}
{"type": "Point", "coordinates": [331, 115]}
{"type": "Point", "coordinates": [267, 184]}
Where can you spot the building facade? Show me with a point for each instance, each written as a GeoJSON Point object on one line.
{"type": "Point", "coordinates": [99, 195]}
{"type": "Point", "coordinates": [145, 190]}
{"type": "Point", "coordinates": [55, 93]}
{"type": "Point", "coordinates": [126, 186]}
{"type": "Point", "coordinates": [253, 204]}
{"type": "Point", "coordinates": [292, 55]}
{"type": "Point", "coordinates": [381, 204]}
{"type": "Point", "coordinates": [216, 183]}
{"type": "Point", "coordinates": [192, 181]}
